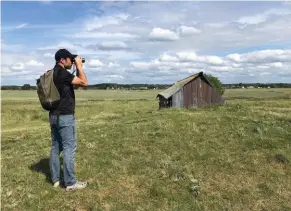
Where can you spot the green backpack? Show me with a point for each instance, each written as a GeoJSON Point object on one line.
{"type": "Point", "coordinates": [47, 91]}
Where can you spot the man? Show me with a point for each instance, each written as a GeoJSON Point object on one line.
{"type": "Point", "coordinates": [62, 119]}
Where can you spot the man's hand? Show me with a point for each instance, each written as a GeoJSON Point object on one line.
{"type": "Point", "coordinates": [78, 62]}
{"type": "Point", "coordinates": [80, 79]}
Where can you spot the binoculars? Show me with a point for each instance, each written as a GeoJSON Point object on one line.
{"type": "Point", "coordinates": [73, 59]}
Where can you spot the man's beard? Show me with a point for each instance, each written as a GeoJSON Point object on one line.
{"type": "Point", "coordinates": [68, 66]}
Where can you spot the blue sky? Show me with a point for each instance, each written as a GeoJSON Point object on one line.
{"type": "Point", "coordinates": [148, 42]}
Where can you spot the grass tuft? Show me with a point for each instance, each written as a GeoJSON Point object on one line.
{"type": "Point", "coordinates": [137, 157]}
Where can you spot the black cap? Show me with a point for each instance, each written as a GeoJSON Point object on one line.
{"type": "Point", "coordinates": [63, 54]}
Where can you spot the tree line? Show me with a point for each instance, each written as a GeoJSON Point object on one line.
{"type": "Point", "coordinates": [257, 85]}
{"type": "Point", "coordinates": [104, 86]}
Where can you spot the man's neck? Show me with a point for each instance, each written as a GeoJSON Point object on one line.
{"type": "Point", "coordinates": [61, 65]}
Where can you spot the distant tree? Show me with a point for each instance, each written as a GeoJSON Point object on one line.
{"type": "Point", "coordinates": [216, 83]}
{"type": "Point", "coordinates": [25, 87]}
{"type": "Point", "coordinates": [11, 87]}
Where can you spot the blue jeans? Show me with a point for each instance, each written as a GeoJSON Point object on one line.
{"type": "Point", "coordinates": [63, 136]}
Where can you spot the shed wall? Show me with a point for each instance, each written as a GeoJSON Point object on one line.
{"type": "Point", "coordinates": [178, 99]}
{"type": "Point", "coordinates": [198, 93]}
{"type": "Point", "coordinates": [191, 94]}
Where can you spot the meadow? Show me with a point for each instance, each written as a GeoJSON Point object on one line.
{"type": "Point", "coordinates": [137, 157]}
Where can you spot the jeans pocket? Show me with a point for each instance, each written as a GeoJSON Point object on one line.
{"type": "Point", "coordinates": [52, 120]}
{"type": "Point", "coordinates": [67, 120]}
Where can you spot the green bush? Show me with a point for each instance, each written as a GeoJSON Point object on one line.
{"type": "Point", "coordinates": [216, 83]}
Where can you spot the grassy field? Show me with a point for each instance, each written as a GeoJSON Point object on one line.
{"type": "Point", "coordinates": [137, 157]}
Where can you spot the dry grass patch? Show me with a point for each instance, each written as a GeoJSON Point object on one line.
{"type": "Point", "coordinates": [137, 157]}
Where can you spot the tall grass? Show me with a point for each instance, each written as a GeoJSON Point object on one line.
{"type": "Point", "coordinates": [137, 157]}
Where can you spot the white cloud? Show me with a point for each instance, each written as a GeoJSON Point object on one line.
{"type": "Point", "coordinates": [276, 64]}
{"type": "Point", "coordinates": [192, 36]}
{"type": "Point", "coordinates": [8, 58]}
{"type": "Point", "coordinates": [95, 63]}
{"type": "Point", "coordinates": [101, 21]}
{"type": "Point", "coordinates": [22, 67]}
{"type": "Point", "coordinates": [21, 25]}
{"type": "Point", "coordinates": [262, 66]}
{"type": "Point", "coordinates": [222, 68]}
{"type": "Point", "coordinates": [275, 30]}
{"type": "Point", "coordinates": [166, 65]}
{"type": "Point", "coordinates": [112, 45]}
{"type": "Point", "coordinates": [6, 71]}
{"type": "Point", "coordinates": [265, 73]}
{"type": "Point", "coordinates": [6, 47]}
{"type": "Point", "coordinates": [217, 24]}
{"type": "Point", "coordinates": [10, 28]}
{"type": "Point", "coordinates": [112, 65]}
{"type": "Point", "coordinates": [193, 57]}
{"type": "Point", "coordinates": [186, 30]}
{"type": "Point", "coordinates": [66, 45]}
{"type": "Point", "coordinates": [234, 57]}
{"type": "Point", "coordinates": [34, 63]}
{"type": "Point", "coordinates": [159, 34]}
{"type": "Point", "coordinates": [262, 17]}
{"type": "Point", "coordinates": [141, 65]}
{"type": "Point", "coordinates": [255, 19]}
{"type": "Point", "coordinates": [116, 76]}
{"type": "Point", "coordinates": [262, 56]}
{"type": "Point", "coordinates": [187, 56]}
{"type": "Point", "coordinates": [113, 78]}
{"type": "Point", "coordinates": [124, 55]}
{"type": "Point", "coordinates": [233, 64]}
{"type": "Point", "coordinates": [168, 58]}
{"type": "Point", "coordinates": [72, 47]}
{"type": "Point", "coordinates": [214, 60]}
{"type": "Point", "coordinates": [107, 35]}
{"type": "Point", "coordinates": [18, 66]}
{"type": "Point", "coordinates": [16, 74]}
{"type": "Point", "coordinates": [48, 55]}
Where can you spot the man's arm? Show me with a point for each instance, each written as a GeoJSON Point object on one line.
{"type": "Point", "coordinates": [80, 79]}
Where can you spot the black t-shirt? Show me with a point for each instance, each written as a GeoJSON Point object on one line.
{"type": "Point", "coordinates": [63, 81]}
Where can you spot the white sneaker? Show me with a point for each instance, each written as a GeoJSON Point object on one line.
{"type": "Point", "coordinates": [56, 184]}
{"type": "Point", "coordinates": [78, 185]}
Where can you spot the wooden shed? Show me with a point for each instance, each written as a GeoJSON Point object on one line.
{"type": "Point", "coordinates": [191, 92]}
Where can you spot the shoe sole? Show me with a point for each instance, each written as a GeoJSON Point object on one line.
{"type": "Point", "coordinates": [73, 189]}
